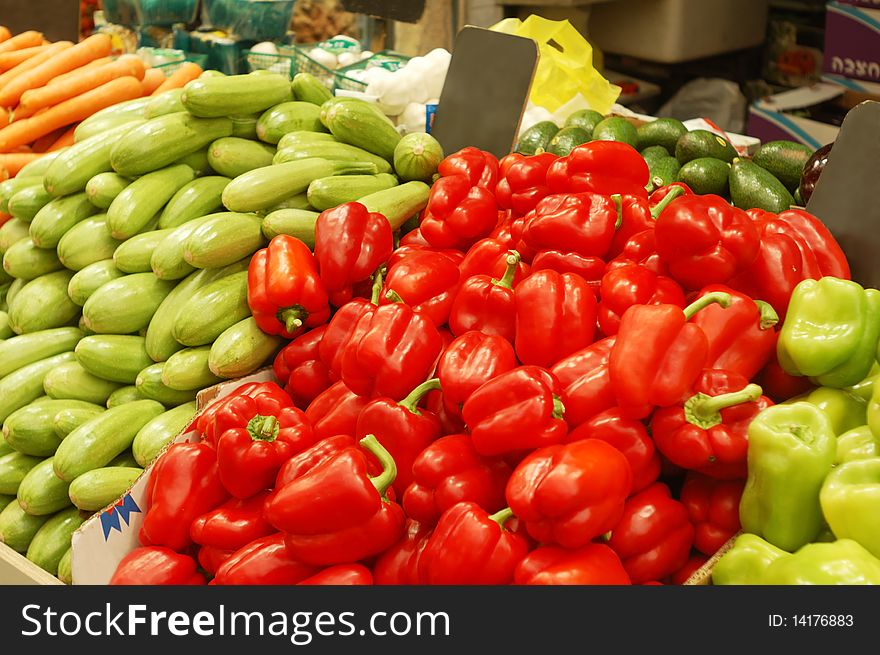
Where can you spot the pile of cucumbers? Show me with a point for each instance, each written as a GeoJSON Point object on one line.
{"type": "Point", "coordinates": [124, 284]}
{"type": "Point", "coordinates": [704, 161]}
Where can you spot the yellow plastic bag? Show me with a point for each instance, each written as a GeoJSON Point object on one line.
{"type": "Point", "coordinates": [565, 71]}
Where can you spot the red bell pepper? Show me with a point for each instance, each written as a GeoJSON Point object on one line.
{"type": "Point", "coordinates": [638, 214]}
{"type": "Point", "coordinates": [471, 360]}
{"type": "Point", "coordinates": [658, 355]}
{"type": "Point", "coordinates": [705, 240]}
{"type": "Point", "coordinates": [211, 559]}
{"type": "Point", "coordinates": [335, 411]}
{"type": "Point", "coordinates": [342, 326]}
{"type": "Point", "coordinates": [300, 368]}
{"type": "Point", "coordinates": [634, 284]}
{"type": "Point", "coordinates": [402, 428]}
{"type": "Point", "coordinates": [350, 244]}
{"type": "Point", "coordinates": [425, 280]}
{"type": "Point", "coordinates": [600, 167]}
{"type": "Point", "coordinates": [524, 182]}
{"type": "Point", "coordinates": [404, 251]}
{"type": "Point", "coordinates": [570, 494]}
{"type": "Point", "coordinates": [399, 565]}
{"type": "Point", "coordinates": [264, 561]}
{"type": "Point", "coordinates": [342, 574]}
{"type": "Point", "coordinates": [590, 268]}
{"type": "Point", "coordinates": [489, 257]}
{"type": "Point", "coordinates": [503, 232]}
{"type": "Point", "coordinates": [641, 248]}
{"type": "Point", "coordinates": [285, 292]}
{"type": "Point", "coordinates": [458, 213]}
{"type": "Point", "coordinates": [520, 409]}
{"type": "Point", "coordinates": [185, 484]}
{"type": "Point", "coordinates": [593, 564]}
{"type": "Point", "coordinates": [831, 258]}
{"type": "Point", "coordinates": [713, 507]}
{"type": "Point", "coordinates": [156, 565]}
{"type": "Point", "coordinates": [414, 238]}
{"type": "Point", "coordinates": [586, 382]}
{"type": "Point", "coordinates": [581, 223]}
{"type": "Point", "coordinates": [234, 524]}
{"type": "Point", "coordinates": [470, 547]}
{"type": "Point", "coordinates": [659, 194]}
{"type": "Point", "coordinates": [486, 304]}
{"type": "Point", "coordinates": [709, 432]}
{"type": "Point", "coordinates": [450, 423]}
{"type": "Point", "coordinates": [478, 166]}
{"type": "Point", "coordinates": [451, 471]}
{"type": "Point", "coordinates": [778, 385]}
{"type": "Point", "coordinates": [303, 462]}
{"type": "Point", "coordinates": [690, 567]}
{"type": "Point", "coordinates": [206, 424]}
{"type": "Point", "coordinates": [630, 437]}
{"type": "Point", "coordinates": [654, 536]}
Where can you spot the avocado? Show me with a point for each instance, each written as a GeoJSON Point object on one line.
{"type": "Point", "coordinates": [566, 139]}
{"type": "Point", "coordinates": [536, 139]}
{"type": "Point", "coordinates": [587, 119]}
{"type": "Point", "coordinates": [706, 175]}
{"type": "Point", "coordinates": [664, 171]}
{"type": "Point", "coordinates": [753, 187]}
{"type": "Point", "coordinates": [662, 132]}
{"type": "Point", "coordinates": [616, 128]}
{"type": "Point", "coordinates": [703, 143]}
{"type": "Point", "coordinates": [654, 154]}
{"type": "Point", "coordinates": [785, 159]}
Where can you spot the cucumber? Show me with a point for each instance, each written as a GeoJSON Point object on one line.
{"type": "Point", "coordinates": [211, 310]}
{"type": "Point", "coordinates": [86, 243]}
{"type": "Point", "coordinates": [125, 459]}
{"type": "Point", "coordinates": [5, 448]}
{"type": "Point", "coordinates": [362, 124]}
{"type": "Point", "coordinates": [96, 442]}
{"type": "Point", "coordinates": [399, 203]}
{"type": "Point", "coordinates": [333, 152]}
{"type": "Point", "coordinates": [57, 217]}
{"type": "Point", "coordinates": [308, 88]}
{"type": "Point", "coordinates": [6, 332]}
{"type": "Point", "coordinates": [417, 156]}
{"type": "Point", "coordinates": [133, 255]}
{"type": "Point", "coordinates": [235, 94]}
{"type": "Point", "coordinates": [25, 204]}
{"type": "Point", "coordinates": [65, 574]}
{"type": "Point", "coordinates": [11, 292]}
{"type": "Point", "coordinates": [26, 384]}
{"type": "Point", "coordinates": [167, 260]}
{"type": "Point", "coordinates": [299, 223]}
{"type": "Point", "coordinates": [223, 240]}
{"type": "Point", "coordinates": [103, 188]}
{"type": "Point", "coordinates": [41, 492]}
{"type": "Point", "coordinates": [198, 162]}
{"type": "Point", "coordinates": [113, 357]}
{"type": "Point", "coordinates": [232, 156]}
{"type": "Point", "coordinates": [298, 201]}
{"type": "Point", "coordinates": [30, 430]}
{"type": "Point", "coordinates": [128, 111]}
{"type": "Point", "coordinates": [26, 261]}
{"type": "Point", "coordinates": [328, 192]}
{"type": "Point", "coordinates": [17, 527]}
{"type": "Point", "coordinates": [149, 383]}
{"type": "Point", "coordinates": [11, 232]}
{"type": "Point", "coordinates": [294, 140]}
{"type": "Point", "coordinates": [53, 539]}
{"type": "Point", "coordinates": [8, 188]}
{"type": "Point", "coordinates": [29, 348]}
{"type": "Point", "coordinates": [85, 282]}
{"type": "Point", "coordinates": [188, 369]}
{"type": "Point", "coordinates": [162, 141]}
{"type": "Point", "coordinates": [242, 349]}
{"type": "Point", "coordinates": [289, 117]}
{"type": "Point", "coordinates": [38, 167]}
{"type": "Point", "coordinates": [5, 499]}
{"type": "Point", "coordinates": [124, 395]}
{"type": "Point", "coordinates": [166, 102]}
{"type": "Point", "coordinates": [67, 420]}
{"type": "Point", "coordinates": [244, 126]}
{"type": "Point", "coordinates": [132, 209]}
{"type": "Point", "coordinates": [264, 187]}
{"type": "Point", "coordinates": [194, 200]}
{"type": "Point", "coordinates": [98, 488]}
{"type": "Point", "coordinates": [126, 304]}
{"type": "Point", "coordinates": [43, 304]}
{"type": "Point", "coordinates": [13, 467]}
{"type": "Point", "coordinates": [152, 438]}
{"type": "Point", "coordinates": [72, 381]}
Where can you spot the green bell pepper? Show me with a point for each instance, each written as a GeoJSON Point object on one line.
{"type": "Point", "coordinates": [858, 443]}
{"type": "Point", "coordinates": [746, 562]}
{"type": "Point", "coordinates": [791, 450]}
{"type": "Point", "coordinates": [872, 415]}
{"type": "Point", "coordinates": [845, 410]}
{"type": "Point", "coordinates": [831, 332]}
{"type": "Point", "coordinates": [865, 388]}
{"type": "Point", "coordinates": [850, 499]}
{"type": "Point", "coordinates": [842, 562]}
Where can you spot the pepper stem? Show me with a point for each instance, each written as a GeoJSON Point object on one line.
{"type": "Point", "coordinates": [769, 317]}
{"type": "Point", "coordinates": [705, 411]}
{"type": "Point", "coordinates": [502, 517]}
{"type": "Point", "coordinates": [389, 469]}
{"type": "Point", "coordinates": [293, 318]}
{"type": "Point", "coordinates": [263, 428]}
{"type": "Point", "coordinates": [393, 296]}
{"type": "Point", "coordinates": [411, 402]}
{"type": "Point", "coordinates": [378, 281]}
{"type": "Point", "coordinates": [674, 193]}
{"type": "Point", "coordinates": [719, 297]}
{"type": "Point", "coordinates": [512, 261]}
{"type": "Point", "coordinates": [558, 407]}
{"type": "Point", "coordinates": [618, 204]}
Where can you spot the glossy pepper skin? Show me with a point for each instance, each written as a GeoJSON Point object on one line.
{"type": "Point", "coordinates": [233, 524]}
{"type": "Point", "coordinates": [654, 536]}
{"type": "Point", "coordinates": [593, 564]}
{"type": "Point", "coordinates": [691, 566]}
{"type": "Point", "coordinates": [523, 182]}
{"type": "Point", "coordinates": [518, 410]}
{"type": "Point", "coordinates": [830, 256]}
{"type": "Point", "coordinates": [185, 484]}
{"type": "Point", "coordinates": [633, 284]}
{"type": "Point", "coordinates": [300, 368]}
{"type": "Point", "coordinates": [586, 382]}
{"type": "Point", "coordinates": [638, 214]}
{"type": "Point", "coordinates": [486, 305]}
{"type": "Point", "coordinates": [207, 425]}
{"type": "Point", "coordinates": [211, 559]}
{"type": "Point", "coordinates": [470, 547]}
{"type": "Point", "coordinates": [399, 565]}
{"type": "Point", "coordinates": [831, 332]}
{"type": "Point", "coordinates": [335, 411]}
{"type": "Point", "coordinates": [844, 410]}
{"type": "Point", "coordinates": [570, 494]}
{"type": "Point", "coordinates": [451, 471]}
{"type": "Point", "coordinates": [641, 248]}
{"type": "Point", "coordinates": [303, 462]}
{"type": "Point", "coordinates": [341, 575]}
{"type": "Point", "coordinates": [489, 257]}
{"type": "Point", "coordinates": [856, 444]}
{"type": "Point", "coordinates": [842, 562]}
{"type": "Point", "coordinates": [590, 268]}
{"type": "Point", "coordinates": [285, 292]}
{"type": "Point", "coordinates": [458, 214]}
{"type": "Point", "coordinates": [156, 565]}
{"type": "Point", "coordinates": [478, 166]}
{"type": "Point", "coordinates": [779, 385]}
{"type": "Point", "coordinates": [468, 362]}
{"type": "Point", "coordinates": [425, 280]}
{"type": "Point", "coordinates": [851, 493]}
{"type": "Point", "coordinates": [581, 223]}
{"type": "Point", "coordinates": [264, 561]}
{"type": "Point", "coordinates": [791, 451]}
{"type": "Point", "coordinates": [604, 167]}
{"type": "Point", "coordinates": [713, 508]}
{"type": "Point", "coordinates": [746, 562]}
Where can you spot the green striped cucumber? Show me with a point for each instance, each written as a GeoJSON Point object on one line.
{"type": "Point", "coordinates": [149, 383]}
{"type": "Point", "coordinates": [86, 243]}
{"type": "Point", "coordinates": [232, 156]}
{"type": "Point", "coordinates": [399, 203]}
{"type": "Point", "coordinates": [198, 162]}
{"type": "Point", "coordinates": [124, 395]}
{"type": "Point", "coordinates": [308, 88]}
{"type": "Point", "coordinates": [43, 304]}
{"type": "Point", "coordinates": [328, 192]}
{"type": "Point", "coordinates": [133, 255]}
{"type": "Point", "coordinates": [39, 166]}
{"type": "Point", "coordinates": [162, 141]}
{"type": "Point", "coordinates": [98, 488]}
{"type": "Point", "coordinates": [67, 420]}
{"type": "Point", "coordinates": [244, 126]}
{"type": "Point", "coordinates": [242, 349]}
{"type": "Point", "coordinates": [294, 140]}
{"type": "Point", "coordinates": [11, 232]}
{"type": "Point", "coordinates": [166, 102]}
{"type": "Point", "coordinates": [167, 260]}
{"type": "Point", "coordinates": [26, 203]}
{"type": "Point", "coordinates": [113, 357]}
{"type": "Point", "coordinates": [17, 527]}
{"type": "Point", "coordinates": [41, 492]}
{"type": "Point", "coordinates": [96, 442]}
{"type": "Point", "coordinates": [31, 430]}
{"type": "Point", "coordinates": [152, 438]}
{"type": "Point", "coordinates": [88, 280]}
{"type": "Point", "coordinates": [13, 467]}
{"type": "Point", "coordinates": [223, 240]}
{"type": "Point", "coordinates": [72, 381]}
{"type": "Point", "coordinates": [101, 121]}
{"type": "Point", "coordinates": [132, 209]}
{"type": "Point", "coordinates": [103, 188]}
{"type": "Point", "coordinates": [29, 348]}
{"type": "Point", "coordinates": [235, 94]}
{"type": "Point", "coordinates": [53, 539]}
{"type": "Point", "coordinates": [265, 187]}
{"type": "Point", "coordinates": [417, 156]}
{"type": "Point", "coordinates": [57, 217]}
{"type": "Point", "coordinates": [65, 573]}
{"type": "Point", "coordinates": [289, 117]}
{"type": "Point", "coordinates": [6, 332]}
{"type": "Point", "coordinates": [26, 384]}
{"type": "Point", "coordinates": [333, 152]}
{"type": "Point", "coordinates": [188, 369]}
{"type": "Point", "coordinates": [8, 188]}
{"type": "Point", "coordinates": [194, 200]}
{"type": "Point", "coordinates": [211, 310]}
{"type": "Point", "coordinates": [362, 124]}
{"type": "Point", "coordinates": [27, 261]}
{"type": "Point", "coordinates": [299, 223]}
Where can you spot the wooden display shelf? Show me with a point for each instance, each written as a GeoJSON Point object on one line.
{"type": "Point", "coordinates": [15, 569]}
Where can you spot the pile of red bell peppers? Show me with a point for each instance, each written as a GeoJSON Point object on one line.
{"type": "Point", "coordinates": [549, 381]}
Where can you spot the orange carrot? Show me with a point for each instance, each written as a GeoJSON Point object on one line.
{"type": "Point", "coordinates": [65, 139]}
{"type": "Point", "coordinates": [34, 61]}
{"type": "Point", "coordinates": [14, 162]}
{"type": "Point", "coordinates": [69, 111]}
{"type": "Point", "coordinates": [5, 34]}
{"type": "Point", "coordinates": [45, 142]}
{"type": "Point", "coordinates": [24, 40]}
{"type": "Point", "coordinates": [94, 47]}
{"type": "Point", "coordinates": [92, 65]}
{"type": "Point", "coordinates": [153, 79]}
{"type": "Point", "coordinates": [187, 72]}
{"type": "Point", "coordinates": [4, 117]}
{"type": "Point", "coordinates": [9, 60]}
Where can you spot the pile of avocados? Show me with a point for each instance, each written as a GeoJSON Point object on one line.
{"type": "Point", "coordinates": [704, 161]}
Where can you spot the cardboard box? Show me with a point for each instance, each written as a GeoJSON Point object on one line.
{"type": "Point", "coordinates": [852, 42]}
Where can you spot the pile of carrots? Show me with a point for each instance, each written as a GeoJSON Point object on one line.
{"type": "Point", "coordinates": [47, 89]}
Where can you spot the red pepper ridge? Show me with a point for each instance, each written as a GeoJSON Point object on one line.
{"type": "Point", "coordinates": [705, 411]}
{"type": "Point", "coordinates": [389, 469]}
